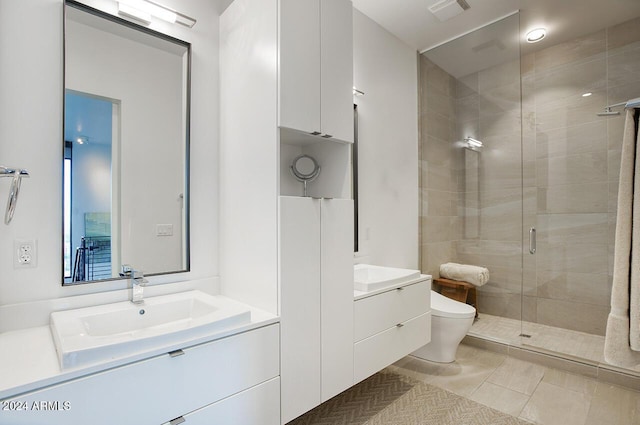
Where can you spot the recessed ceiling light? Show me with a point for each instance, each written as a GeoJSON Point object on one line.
{"type": "Point", "coordinates": [587, 94]}
{"type": "Point", "coordinates": [536, 35]}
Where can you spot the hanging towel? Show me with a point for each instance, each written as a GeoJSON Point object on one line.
{"type": "Point", "coordinates": [475, 275]}
{"type": "Point", "coordinates": [622, 337]}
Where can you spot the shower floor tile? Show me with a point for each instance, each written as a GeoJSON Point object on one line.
{"type": "Point", "coordinates": [573, 343]}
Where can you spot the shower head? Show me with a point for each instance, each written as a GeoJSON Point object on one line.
{"type": "Point", "coordinates": [473, 143]}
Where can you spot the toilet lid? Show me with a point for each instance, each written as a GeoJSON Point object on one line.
{"type": "Point", "coordinates": [442, 306]}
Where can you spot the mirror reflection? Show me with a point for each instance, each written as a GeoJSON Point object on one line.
{"type": "Point", "coordinates": [125, 148]}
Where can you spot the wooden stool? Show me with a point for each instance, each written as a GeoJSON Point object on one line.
{"type": "Point", "coordinates": [457, 290]}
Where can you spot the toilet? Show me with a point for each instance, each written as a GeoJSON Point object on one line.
{"type": "Point", "coordinates": [450, 322]}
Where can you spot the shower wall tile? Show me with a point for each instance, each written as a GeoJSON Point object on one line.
{"type": "Point", "coordinates": [440, 105]}
{"type": "Point", "coordinates": [626, 34]}
{"type": "Point", "coordinates": [573, 228]}
{"type": "Point", "coordinates": [580, 258]}
{"type": "Point", "coordinates": [434, 254]}
{"type": "Point", "coordinates": [573, 198]}
{"type": "Point", "coordinates": [623, 67]}
{"type": "Point", "coordinates": [571, 140]}
{"type": "Point", "coordinates": [498, 123]}
{"type": "Point", "coordinates": [588, 167]}
{"type": "Point", "coordinates": [527, 65]}
{"type": "Point", "coordinates": [570, 111]}
{"type": "Point", "coordinates": [505, 74]}
{"type": "Point", "coordinates": [438, 126]}
{"type": "Point", "coordinates": [571, 80]}
{"type": "Point", "coordinates": [500, 99]}
{"type": "Point", "coordinates": [466, 86]}
{"type": "Point", "coordinates": [439, 203]}
{"type": "Point", "coordinates": [587, 288]}
{"type": "Point", "coordinates": [572, 51]}
{"type": "Point", "coordinates": [439, 229]}
{"type": "Point", "coordinates": [467, 108]}
{"type": "Point", "coordinates": [571, 315]}
{"type": "Point", "coordinates": [530, 309]}
{"type": "Point", "coordinates": [503, 305]}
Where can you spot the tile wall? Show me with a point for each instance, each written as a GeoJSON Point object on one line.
{"type": "Point", "coordinates": [477, 207]}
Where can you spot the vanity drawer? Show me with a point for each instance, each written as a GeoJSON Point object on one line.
{"type": "Point", "coordinates": [379, 312]}
{"type": "Point", "coordinates": [161, 388]}
{"type": "Point", "coordinates": [381, 350]}
{"type": "Point", "coordinates": [257, 405]}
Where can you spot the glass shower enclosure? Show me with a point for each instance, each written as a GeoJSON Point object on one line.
{"type": "Point", "coordinates": [519, 174]}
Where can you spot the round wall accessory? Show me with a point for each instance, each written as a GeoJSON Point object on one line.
{"type": "Point", "coordinates": [305, 169]}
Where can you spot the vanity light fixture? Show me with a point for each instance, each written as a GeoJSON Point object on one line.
{"type": "Point", "coordinates": [145, 11]}
{"type": "Point", "coordinates": [536, 35]}
{"type": "Point", "coordinates": [81, 140]}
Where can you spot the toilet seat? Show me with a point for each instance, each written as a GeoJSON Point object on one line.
{"type": "Point", "coordinates": [442, 306]}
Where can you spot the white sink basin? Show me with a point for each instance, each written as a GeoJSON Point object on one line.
{"type": "Point", "coordinates": [105, 332]}
{"type": "Point", "coordinates": [368, 278]}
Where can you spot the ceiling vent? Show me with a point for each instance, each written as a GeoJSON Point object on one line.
{"type": "Point", "coordinates": [447, 9]}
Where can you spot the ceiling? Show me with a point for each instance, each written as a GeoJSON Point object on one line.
{"type": "Point", "coordinates": [411, 21]}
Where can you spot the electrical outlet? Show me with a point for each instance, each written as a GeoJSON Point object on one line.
{"type": "Point", "coordinates": [164, 229]}
{"type": "Point", "coordinates": [24, 253]}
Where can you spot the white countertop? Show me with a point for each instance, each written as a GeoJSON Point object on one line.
{"type": "Point", "coordinates": [28, 358]}
{"type": "Point", "coordinates": [358, 295]}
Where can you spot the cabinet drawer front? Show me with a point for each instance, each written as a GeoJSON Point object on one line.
{"type": "Point", "coordinates": [160, 388]}
{"type": "Point", "coordinates": [379, 312]}
{"type": "Point", "coordinates": [381, 350]}
{"type": "Point", "coordinates": [257, 405]}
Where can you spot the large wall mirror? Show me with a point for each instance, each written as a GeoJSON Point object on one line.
{"type": "Point", "coordinates": [126, 148]}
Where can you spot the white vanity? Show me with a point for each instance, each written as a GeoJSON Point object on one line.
{"type": "Point", "coordinates": [390, 321]}
{"type": "Point", "coordinates": [229, 375]}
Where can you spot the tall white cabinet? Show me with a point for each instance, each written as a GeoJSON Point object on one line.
{"type": "Point", "coordinates": [316, 67]}
{"type": "Point", "coordinates": [286, 90]}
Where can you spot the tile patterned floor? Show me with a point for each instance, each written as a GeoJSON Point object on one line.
{"type": "Point", "coordinates": [528, 391]}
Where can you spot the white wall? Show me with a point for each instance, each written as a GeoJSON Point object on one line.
{"type": "Point", "coordinates": [386, 69]}
{"type": "Point", "coordinates": [31, 87]}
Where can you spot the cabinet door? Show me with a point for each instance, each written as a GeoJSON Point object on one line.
{"type": "Point", "coordinates": [257, 405]}
{"type": "Point", "coordinates": [300, 305]}
{"type": "Point", "coordinates": [336, 296]}
{"type": "Point", "coordinates": [336, 64]}
{"type": "Point", "coordinates": [299, 71]}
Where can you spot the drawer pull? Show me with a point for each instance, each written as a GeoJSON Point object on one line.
{"type": "Point", "coordinates": [399, 325]}
{"type": "Point", "coordinates": [176, 353]}
{"type": "Point", "coordinates": [177, 421]}
{"type": "Point", "coordinates": [327, 136]}
{"type": "Point", "coordinates": [400, 288]}
{"type": "Point", "coordinates": [315, 133]}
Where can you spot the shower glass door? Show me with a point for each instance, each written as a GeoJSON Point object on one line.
{"type": "Point", "coordinates": [477, 196]}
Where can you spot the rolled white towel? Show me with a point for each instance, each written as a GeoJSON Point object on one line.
{"type": "Point", "coordinates": [475, 275]}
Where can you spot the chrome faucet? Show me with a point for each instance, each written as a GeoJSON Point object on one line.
{"type": "Point", "coordinates": [137, 283]}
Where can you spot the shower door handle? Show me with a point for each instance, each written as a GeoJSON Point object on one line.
{"type": "Point", "coordinates": [532, 240]}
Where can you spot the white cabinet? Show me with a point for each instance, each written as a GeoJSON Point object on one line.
{"type": "Point", "coordinates": [161, 388]}
{"type": "Point", "coordinates": [389, 326]}
{"type": "Point", "coordinates": [257, 405]}
{"type": "Point", "coordinates": [316, 67]}
{"type": "Point", "coordinates": [316, 286]}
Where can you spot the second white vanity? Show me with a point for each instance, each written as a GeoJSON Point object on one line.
{"type": "Point", "coordinates": [391, 320]}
